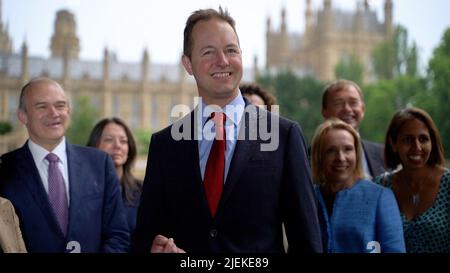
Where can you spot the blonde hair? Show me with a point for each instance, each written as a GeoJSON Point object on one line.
{"type": "Point", "coordinates": [318, 144]}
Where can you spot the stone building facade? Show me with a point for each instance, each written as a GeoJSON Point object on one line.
{"type": "Point", "coordinates": [331, 35]}
{"type": "Point", "coordinates": [142, 94]}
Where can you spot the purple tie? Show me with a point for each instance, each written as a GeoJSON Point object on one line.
{"type": "Point", "coordinates": [57, 192]}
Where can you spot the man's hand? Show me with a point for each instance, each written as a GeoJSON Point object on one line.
{"type": "Point", "coordinates": [163, 244]}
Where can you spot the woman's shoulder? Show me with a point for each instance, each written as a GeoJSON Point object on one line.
{"type": "Point", "coordinates": [445, 179]}
{"type": "Point", "coordinates": [6, 207]}
{"type": "Point", "coordinates": [5, 202]}
{"type": "Point", "coordinates": [375, 193]}
{"type": "Point", "coordinates": [384, 179]}
{"type": "Point", "coordinates": [370, 186]}
{"type": "Point", "coordinates": [139, 183]}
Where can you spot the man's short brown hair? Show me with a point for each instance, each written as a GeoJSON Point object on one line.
{"type": "Point", "coordinates": [337, 86]}
{"type": "Point", "coordinates": [203, 15]}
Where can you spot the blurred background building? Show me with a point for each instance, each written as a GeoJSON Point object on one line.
{"type": "Point", "coordinates": [143, 93]}
{"type": "Point", "coordinates": [331, 35]}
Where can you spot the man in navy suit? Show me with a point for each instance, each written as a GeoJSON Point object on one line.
{"type": "Point", "coordinates": [344, 99]}
{"type": "Point", "coordinates": [265, 177]}
{"type": "Point", "coordinates": [93, 216]}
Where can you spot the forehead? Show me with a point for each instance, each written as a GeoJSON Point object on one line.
{"type": "Point", "coordinates": [337, 137]}
{"type": "Point", "coordinates": [347, 92]}
{"type": "Point", "coordinates": [44, 92]}
{"type": "Point", "coordinates": [414, 126]}
{"type": "Point", "coordinates": [114, 128]}
{"type": "Point", "coordinates": [213, 31]}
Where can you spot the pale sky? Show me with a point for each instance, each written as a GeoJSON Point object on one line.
{"type": "Point", "coordinates": [127, 27]}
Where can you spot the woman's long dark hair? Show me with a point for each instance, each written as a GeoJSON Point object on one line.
{"type": "Point", "coordinates": [130, 185]}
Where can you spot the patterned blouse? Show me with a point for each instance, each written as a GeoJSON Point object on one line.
{"type": "Point", "coordinates": [430, 231]}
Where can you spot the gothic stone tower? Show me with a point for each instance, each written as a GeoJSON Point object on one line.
{"type": "Point", "coordinates": [5, 40]}
{"type": "Point", "coordinates": [64, 42]}
{"type": "Point", "coordinates": [331, 35]}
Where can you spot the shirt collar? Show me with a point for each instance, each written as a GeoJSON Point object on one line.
{"type": "Point", "coordinates": [39, 153]}
{"type": "Point", "coordinates": [233, 110]}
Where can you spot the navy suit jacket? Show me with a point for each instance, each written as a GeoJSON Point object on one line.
{"type": "Point", "coordinates": [96, 215]}
{"type": "Point", "coordinates": [374, 153]}
{"type": "Point", "coordinates": [263, 189]}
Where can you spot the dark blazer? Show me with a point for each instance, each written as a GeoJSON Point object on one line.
{"type": "Point", "coordinates": [131, 206]}
{"type": "Point", "coordinates": [374, 153]}
{"type": "Point", "coordinates": [96, 216]}
{"type": "Point", "coordinates": [263, 189]}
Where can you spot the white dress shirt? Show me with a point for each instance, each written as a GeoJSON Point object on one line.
{"type": "Point", "coordinates": [39, 153]}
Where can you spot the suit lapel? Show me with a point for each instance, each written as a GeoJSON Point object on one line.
{"type": "Point", "coordinates": [33, 182]}
{"type": "Point", "coordinates": [189, 148]}
{"type": "Point", "coordinates": [78, 184]}
{"type": "Point", "coordinates": [243, 151]}
{"type": "Point", "coordinates": [192, 149]}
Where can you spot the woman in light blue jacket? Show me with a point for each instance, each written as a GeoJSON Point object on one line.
{"type": "Point", "coordinates": [357, 216]}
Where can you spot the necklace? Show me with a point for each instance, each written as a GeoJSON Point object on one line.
{"type": "Point", "coordinates": [415, 194]}
{"type": "Point", "coordinates": [416, 199]}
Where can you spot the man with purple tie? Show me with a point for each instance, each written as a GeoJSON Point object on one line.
{"type": "Point", "coordinates": [214, 183]}
{"type": "Point", "coordinates": [66, 197]}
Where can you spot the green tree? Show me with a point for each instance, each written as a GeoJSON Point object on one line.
{"type": "Point", "coordinates": [383, 61]}
{"type": "Point", "coordinates": [5, 127]}
{"type": "Point", "coordinates": [396, 57]}
{"type": "Point", "coordinates": [142, 140]}
{"type": "Point", "coordinates": [411, 61]}
{"type": "Point", "coordinates": [83, 119]}
{"type": "Point", "coordinates": [436, 100]}
{"type": "Point", "coordinates": [384, 98]}
{"type": "Point", "coordinates": [351, 69]}
{"type": "Point", "coordinates": [299, 99]}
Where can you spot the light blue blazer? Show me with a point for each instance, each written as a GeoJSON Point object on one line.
{"type": "Point", "coordinates": [365, 219]}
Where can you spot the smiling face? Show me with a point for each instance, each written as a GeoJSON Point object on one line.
{"type": "Point", "coordinates": [114, 141]}
{"type": "Point", "coordinates": [215, 61]}
{"type": "Point", "coordinates": [413, 144]}
{"type": "Point", "coordinates": [339, 157]}
{"type": "Point", "coordinates": [345, 104]}
{"type": "Point", "coordinates": [45, 114]}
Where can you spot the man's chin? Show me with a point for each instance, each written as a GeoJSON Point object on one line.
{"type": "Point", "coordinates": [353, 123]}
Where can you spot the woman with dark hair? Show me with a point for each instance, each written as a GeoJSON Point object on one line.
{"type": "Point", "coordinates": [113, 136]}
{"type": "Point", "coordinates": [421, 183]}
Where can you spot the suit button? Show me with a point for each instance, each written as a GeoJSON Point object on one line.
{"type": "Point", "coordinates": [213, 233]}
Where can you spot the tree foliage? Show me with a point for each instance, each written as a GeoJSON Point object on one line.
{"type": "Point", "coordinates": [299, 99]}
{"type": "Point", "coordinates": [84, 117]}
{"type": "Point", "coordinates": [351, 69]}
{"type": "Point", "coordinates": [396, 57]}
{"type": "Point", "coordinates": [143, 140]}
{"type": "Point", "coordinates": [386, 97]}
{"type": "Point", "coordinates": [436, 100]}
{"type": "Point", "coordinates": [5, 127]}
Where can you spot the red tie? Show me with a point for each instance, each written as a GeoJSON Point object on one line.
{"type": "Point", "coordinates": [215, 166]}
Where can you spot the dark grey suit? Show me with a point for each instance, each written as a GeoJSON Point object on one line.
{"type": "Point", "coordinates": [374, 156]}
{"type": "Point", "coordinates": [263, 189]}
